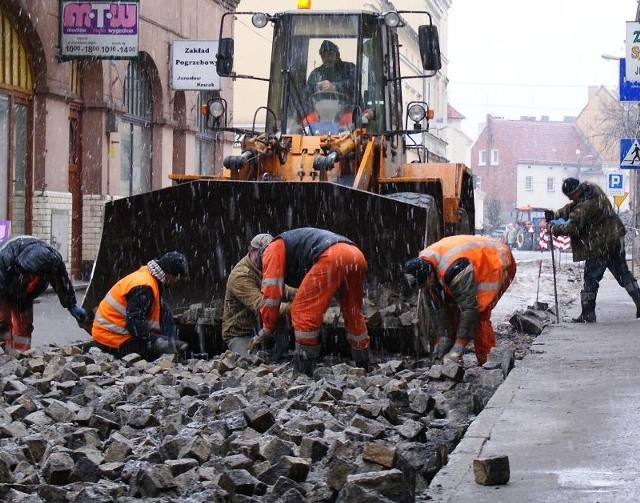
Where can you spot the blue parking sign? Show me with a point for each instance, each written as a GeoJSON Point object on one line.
{"type": "Point", "coordinates": [615, 184]}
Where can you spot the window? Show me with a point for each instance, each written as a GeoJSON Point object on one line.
{"type": "Point", "coordinates": [494, 157]}
{"type": "Point", "coordinates": [477, 182]}
{"type": "Point", "coordinates": [482, 158]}
{"type": "Point", "coordinates": [136, 136]}
{"type": "Point", "coordinates": [528, 183]}
{"type": "Point", "coordinates": [551, 184]}
{"type": "Point", "coordinates": [206, 139]}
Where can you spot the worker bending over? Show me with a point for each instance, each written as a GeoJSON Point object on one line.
{"type": "Point", "coordinates": [132, 318]}
{"type": "Point", "coordinates": [320, 263]}
{"type": "Point", "coordinates": [242, 300]}
{"type": "Point", "coordinates": [27, 266]}
{"type": "Point", "coordinates": [463, 277]}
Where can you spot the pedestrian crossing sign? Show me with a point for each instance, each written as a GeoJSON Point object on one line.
{"type": "Point", "coordinates": [630, 153]}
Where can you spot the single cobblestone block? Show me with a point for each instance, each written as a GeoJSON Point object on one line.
{"type": "Point", "coordinates": [491, 471]}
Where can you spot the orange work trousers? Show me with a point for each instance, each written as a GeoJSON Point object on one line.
{"type": "Point", "coordinates": [340, 269]}
{"type": "Point", "coordinates": [15, 327]}
{"type": "Point", "coordinates": [485, 338]}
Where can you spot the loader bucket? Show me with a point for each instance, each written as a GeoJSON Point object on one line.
{"type": "Point", "coordinates": [212, 222]}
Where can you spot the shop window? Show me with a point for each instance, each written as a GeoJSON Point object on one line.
{"type": "Point", "coordinates": [136, 135]}
{"type": "Point", "coordinates": [16, 150]}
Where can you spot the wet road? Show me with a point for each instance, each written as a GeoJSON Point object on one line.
{"type": "Point", "coordinates": [53, 324]}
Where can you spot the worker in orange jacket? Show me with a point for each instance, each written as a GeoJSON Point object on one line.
{"type": "Point", "coordinates": [132, 318]}
{"type": "Point", "coordinates": [464, 277]}
{"type": "Point", "coordinates": [320, 264]}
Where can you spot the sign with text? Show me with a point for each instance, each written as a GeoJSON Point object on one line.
{"type": "Point", "coordinates": [629, 90]}
{"type": "Point", "coordinates": [99, 29]}
{"type": "Point", "coordinates": [193, 65]}
{"type": "Point", "coordinates": [633, 51]}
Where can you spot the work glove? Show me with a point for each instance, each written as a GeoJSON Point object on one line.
{"type": "Point", "coordinates": [549, 215]}
{"type": "Point", "coordinates": [79, 314]}
{"type": "Point", "coordinates": [442, 347]}
{"type": "Point", "coordinates": [163, 345]}
{"type": "Point", "coordinates": [257, 340]}
{"type": "Point", "coordinates": [454, 355]}
{"type": "Point", "coordinates": [559, 221]}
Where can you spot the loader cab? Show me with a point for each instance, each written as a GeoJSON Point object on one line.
{"type": "Point", "coordinates": [366, 90]}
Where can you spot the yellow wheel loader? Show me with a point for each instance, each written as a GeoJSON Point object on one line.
{"type": "Point", "coordinates": [330, 154]}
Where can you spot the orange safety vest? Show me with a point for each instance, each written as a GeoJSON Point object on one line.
{"type": "Point", "coordinates": [109, 326]}
{"type": "Point", "coordinates": [493, 264]}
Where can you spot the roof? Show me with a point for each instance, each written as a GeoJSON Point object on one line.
{"type": "Point", "coordinates": [453, 114]}
{"type": "Point", "coordinates": [543, 141]}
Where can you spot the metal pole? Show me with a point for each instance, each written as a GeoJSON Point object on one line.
{"type": "Point", "coordinates": [555, 282]}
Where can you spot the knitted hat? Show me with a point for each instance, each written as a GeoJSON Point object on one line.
{"type": "Point", "coordinates": [569, 186]}
{"type": "Point", "coordinates": [174, 263]}
{"type": "Point", "coordinates": [261, 240]}
{"type": "Point", "coordinates": [328, 46]}
{"type": "Point", "coordinates": [417, 271]}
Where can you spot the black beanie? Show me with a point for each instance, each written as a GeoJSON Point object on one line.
{"type": "Point", "coordinates": [417, 271]}
{"type": "Point", "coordinates": [174, 263]}
{"type": "Point", "coordinates": [569, 186]}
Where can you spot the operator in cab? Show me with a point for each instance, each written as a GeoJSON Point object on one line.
{"type": "Point", "coordinates": [334, 79]}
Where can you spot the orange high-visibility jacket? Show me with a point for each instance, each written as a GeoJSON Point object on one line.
{"type": "Point", "coordinates": [491, 260]}
{"type": "Point", "coordinates": [109, 326]}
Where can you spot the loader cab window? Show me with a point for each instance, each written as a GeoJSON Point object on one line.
{"type": "Point", "coordinates": [332, 67]}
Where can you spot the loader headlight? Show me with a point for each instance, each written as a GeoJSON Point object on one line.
{"type": "Point", "coordinates": [216, 109]}
{"type": "Point", "coordinates": [259, 19]}
{"type": "Point", "coordinates": [391, 19]}
{"type": "Point", "coordinates": [417, 112]}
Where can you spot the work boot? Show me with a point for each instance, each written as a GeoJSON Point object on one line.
{"type": "Point", "coordinates": [588, 314]}
{"type": "Point", "coordinates": [361, 358]}
{"type": "Point", "coordinates": [304, 359]}
{"type": "Point", "coordinates": [303, 365]}
{"type": "Point", "coordinates": [634, 291]}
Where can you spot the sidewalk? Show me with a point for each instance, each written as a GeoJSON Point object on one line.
{"type": "Point", "coordinates": [567, 417]}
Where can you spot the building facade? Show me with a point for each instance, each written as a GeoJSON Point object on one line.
{"type": "Point", "coordinates": [523, 163]}
{"type": "Point", "coordinates": [75, 134]}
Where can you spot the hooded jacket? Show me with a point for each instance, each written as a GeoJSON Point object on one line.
{"type": "Point", "coordinates": [593, 225]}
{"type": "Point", "coordinates": [27, 266]}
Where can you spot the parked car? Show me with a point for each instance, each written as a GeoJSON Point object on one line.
{"type": "Point", "coordinates": [500, 233]}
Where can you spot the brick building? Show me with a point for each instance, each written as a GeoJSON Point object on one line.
{"type": "Point", "coordinates": [523, 162]}
{"type": "Point", "coordinates": [77, 133]}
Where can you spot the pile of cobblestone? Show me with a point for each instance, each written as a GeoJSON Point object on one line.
{"type": "Point", "coordinates": [77, 425]}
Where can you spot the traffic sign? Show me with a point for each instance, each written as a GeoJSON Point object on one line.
{"type": "Point", "coordinates": [629, 153]}
{"type": "Point", "coordinates": [618, 200]}
{"type": "Point", "coordinates": [629, 90]}
{"type": "Point", "coordinates": [615, 184]}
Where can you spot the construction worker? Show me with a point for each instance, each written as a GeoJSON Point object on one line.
{"type": "Point", "coordinates": [320, 263]}
{"type": "Point", "coordinates": [464, 277]}
{"type": "Point", "coordinates": [242, 300]}
{"type": "Point", "coordinates": [597, 237]}
{"type": "Point", "coordinates": [132, 318]}
{"type": "Point", "coordinates": [27, 266]}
